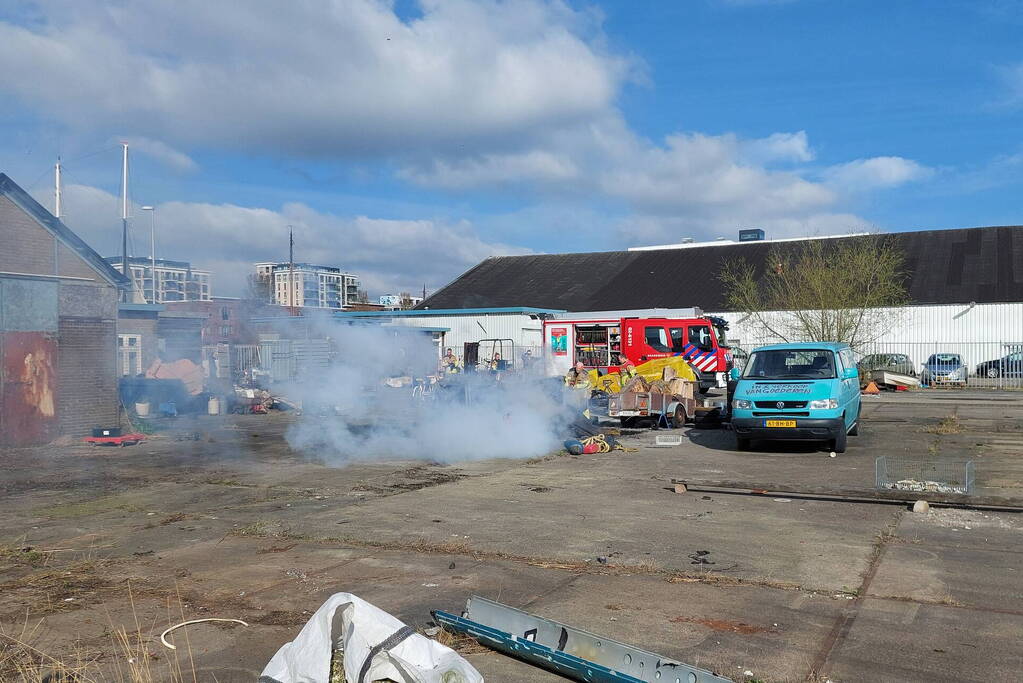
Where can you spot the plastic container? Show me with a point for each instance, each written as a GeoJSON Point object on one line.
{"type": "Point", "coordinates": [213, 407]}
{"type": "Point", "coordinates": [142, 409]}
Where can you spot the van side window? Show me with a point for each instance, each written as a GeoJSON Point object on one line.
{"type": "Point", "coordinates": [678, 338]}
{"type": "Point", "coordinates": [656, 339]}
{"type": "Point", "coordinates": [845, 356]}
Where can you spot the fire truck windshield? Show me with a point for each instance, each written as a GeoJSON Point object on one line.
{"type": "Point", "coordinates": [721, 330]}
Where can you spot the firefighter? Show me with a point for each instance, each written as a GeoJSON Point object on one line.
{"type": "Point", "coordinates": [449, 363]}
{"type": "Point", "coordinates": [626, 372]}
{"type": "Point", "coordinates": [578, 378]}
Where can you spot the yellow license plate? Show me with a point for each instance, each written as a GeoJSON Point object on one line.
{"type": "Point", "coordinates": [780, 423]}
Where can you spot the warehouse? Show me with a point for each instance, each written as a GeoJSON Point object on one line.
{"type": "Point", "coordinates": [514, 329]}
{"type": "Point", "coordinates": [965, 287]}
{"type": "Point", "coordinates": [58, 326]}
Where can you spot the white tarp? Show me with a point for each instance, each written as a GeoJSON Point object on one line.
{"type": "Point", "coordinates": [351, 624]}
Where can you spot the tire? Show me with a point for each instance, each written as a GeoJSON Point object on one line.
{"type": "Point", "coordinates": [855, 431]}
{"type": "Point", "coordinates": [741, 444]}
{"type": "Point", "coordinates": [678, 419]}
{"type": "Point", "coordinates": [992, 373]}
{"type": "Point", "coordinates": [838, 444]}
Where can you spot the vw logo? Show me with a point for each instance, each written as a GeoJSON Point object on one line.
{"type": "Point", "coordinates": [779, 405]}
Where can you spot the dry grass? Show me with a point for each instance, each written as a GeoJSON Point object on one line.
{"type": "Point", "coordinates": [24, 660]}
{"type": "Point", "coordinates": [949, 424]}
{"type": "Point", "coordinates": [460, 643]}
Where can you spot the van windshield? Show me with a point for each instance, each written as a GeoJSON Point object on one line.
{"type": "Point", "coordinates": [791, 364]}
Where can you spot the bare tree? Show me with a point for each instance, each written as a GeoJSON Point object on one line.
{"type": "Point", "coordinates": [846, 290]}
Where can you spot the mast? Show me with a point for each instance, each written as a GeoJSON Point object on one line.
{"type": "Point", "coordinates": [124, 221]}
{"type": "Point", "coordinates": [291, 269]}
{"type": "Point", "coordinates": [56, 189]}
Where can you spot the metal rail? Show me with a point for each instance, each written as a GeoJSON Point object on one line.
{"type": "Point", "coordinates": [888, 497]}
{"type": "Point", "coordinates": [565, 650]}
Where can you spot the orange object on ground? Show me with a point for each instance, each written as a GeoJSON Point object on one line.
{"type": "Point", "coordinates": [123, 440]}
{"type": "Point", "coordinates": [871, 388]}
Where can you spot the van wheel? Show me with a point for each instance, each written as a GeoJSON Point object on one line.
{"type": "Point", "coordinates": [838, 444]}
{"type": "Point", "coordinates": [741, 444]}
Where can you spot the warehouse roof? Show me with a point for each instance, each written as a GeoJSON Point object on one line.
{"type": "Point", "coordinates": [983, 265]}
{"type": "Point", "coordinates": [24, 201]}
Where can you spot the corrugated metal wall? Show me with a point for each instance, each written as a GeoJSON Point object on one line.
{"type": "Point", "coordinates": [983, 323]}
{"type": "Point", "coordinates": [978, 333]}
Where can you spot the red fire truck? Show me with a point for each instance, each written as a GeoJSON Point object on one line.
{"type": "Point", "coordinates": [602, 340]}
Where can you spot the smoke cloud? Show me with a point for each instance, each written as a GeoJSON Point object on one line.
{"type": "Point", "coordinates": [351, 413]}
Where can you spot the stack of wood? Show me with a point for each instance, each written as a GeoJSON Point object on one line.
{"type": "Point", "coordinates": [670, 384]}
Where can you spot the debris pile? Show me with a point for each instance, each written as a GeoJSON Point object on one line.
{"type": "Point", "coordinates": [925, 486]}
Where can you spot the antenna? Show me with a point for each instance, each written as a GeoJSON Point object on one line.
{"type": "Point", "coordinates": [56, 188]}
{"type": "Point", "coordinates": [124, 218]}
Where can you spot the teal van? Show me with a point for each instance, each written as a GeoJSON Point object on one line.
{"type": "Point", "coordinates": [805, 392]}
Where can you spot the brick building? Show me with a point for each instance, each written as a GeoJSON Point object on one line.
{"type": "Point", "coordinates": [58, 326]}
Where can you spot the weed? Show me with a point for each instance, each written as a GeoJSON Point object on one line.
{"type": "Point", "coordinates": [230, 482]}
{"type": "Point", "coordinates": [24, 555]}
{"type": "Point", "coordinates": [949, 424]}
{"type": "Point", "coordinates": [88, 508]}
{"type": "Point", "coordinates": [266, 528]}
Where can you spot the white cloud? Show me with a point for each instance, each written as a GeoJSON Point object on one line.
{"type": "Point", "coordinates": [389, 255]}
{"type": "Point", "coordinates": [313, 78]}
{"type": "Point", "coordinates": [162, 152]}
{"type": "Point", "coordinates": [537, 166]}
{"type": "Point", "coordinates": [700, 173]}
{"type": "Point", "coordinates": [876, 173]}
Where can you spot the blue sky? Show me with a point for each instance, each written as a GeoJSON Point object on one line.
{"type": "Point", "coordinates": [407, 141]}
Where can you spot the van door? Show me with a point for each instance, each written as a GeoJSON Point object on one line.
{"type": "Point", "coordinates": [850, 388]}
{"type": "Point", "coordinates": [646, 340]}
{"type": "Point", "coordinates": [702, 354]}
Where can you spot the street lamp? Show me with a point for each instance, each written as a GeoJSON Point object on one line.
{"type": "Point", "coordinates": [152, 247]}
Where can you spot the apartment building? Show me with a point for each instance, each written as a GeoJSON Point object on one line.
{"type": "Point", "coordinates": [309, 286]}
{"type": "Point", "coordinates": [174, 281]}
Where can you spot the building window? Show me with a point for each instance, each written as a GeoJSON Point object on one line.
{"type": "Point", "coordinates": [129, 354]}
{"type": "Point", "coordinates": [225, 314]}
{"type": "Point", "coordinates": [225, 331]}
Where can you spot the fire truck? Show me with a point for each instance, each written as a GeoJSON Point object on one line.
{"type": "Point", "coordinates": [602, 340]}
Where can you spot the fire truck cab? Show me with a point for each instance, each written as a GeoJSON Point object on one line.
{"type": "Point", "coordinates": [602, 340]}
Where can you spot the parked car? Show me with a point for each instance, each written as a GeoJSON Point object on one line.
{"type": "Point", "coordinates": [808, 391]}
{"type": "Point", "coordinates": [944, 368]}
{"type": "Point", "coordinates": [892, 362]}
{"type": "Point", "coordinates": [1010, 365]}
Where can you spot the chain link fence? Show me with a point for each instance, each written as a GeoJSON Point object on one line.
{"type": "Point", "coordinates": [996, 365]}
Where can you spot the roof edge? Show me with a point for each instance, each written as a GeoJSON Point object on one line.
{"type": "Point", "coordinates": [24, 201]}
